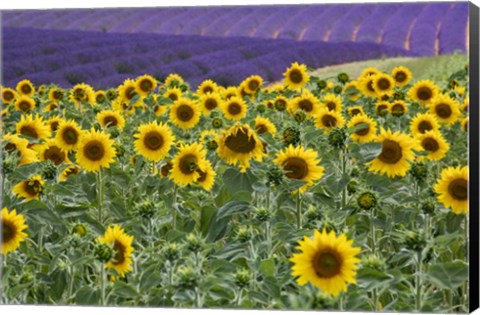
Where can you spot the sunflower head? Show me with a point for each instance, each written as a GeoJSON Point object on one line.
{"type": "Point", "coordinates": [127, 91]}
{"type": "Point", "coordinates": [444, 108]}
{"type": "Point", "coordinates": [30, 189]}
{"type": "Point", "coordinates": [210, 102]}
{"type": "Point", "coordinates": [206, 177]}
{"type": "Point", "coordinates": [383, 84]}
{"type": "Point", "coordinates": [382, 108]}
{"type": "Point", "coordinates": [110, 118]}
{"type": "Point", "coordinates": [252, 84]}
{"type": "Point", "coordinates": [68, 135]}
{"type": "Point", "coordinates": [19, 146]}
{"type": "Point", "coordinates": [51, 151]}
{"type": "Point", "coordinates": [173, 80]}
{"type": "Point", "coordinates": [95, 150]}
{"type": "Point", "coordinates": [188, 163]}
{"type": "Point", "coordinates": [423, 91]}
{"type": "Point", "coordinates": [82, 94]}
{"type": "Point", "coordinates": [423, 122]}
{"type": "Point", "coordinates": [154, 141]}
{"type": "Point", "coordinates": [24, 103]}
{"type": "Point", "coordinates": [452, 189]}
{"type": "Point", "coordinates": [121, 258]}
{"type": "Point", "coordinates": [280, 103]}
{"type": "Point", "coordinates": [8, 95]}
{"type": "Point", "coordinates": [355, 110]}
{"type": "Point", "coordinates": [207, 86]}
{"type": "Point", "coordinates": [34, 128]}
{"type": "Point", "coordinates": [69, 171]}
{"type": "Point", "coordinates": [333, 102]}
{"type": "Point", "coordinates": [366, 85]}
{"type": "Point", "coordinates": [401, 75]}
{"type": "Point", "coordinates": [398, 108]}
{"type": "Point", "coordinates": [145, 85]}
{"type": "Point", "coordinates": [235, 108]}
{"type": "Point", "coordinates": [365, 134]}
{"type": "Point", "coordinates": [263, 125]}
{"type": "Point", "coordinates": [25, 87]}
{"type": "Point", "coordinates": [328, 120]}
{"type": "Point", "coordinates": [184, 113]}
{"type": "Point", "coordinates": [13, 230]}
{"type": "Point", "coordinates": [296, 76]}
{"type": "Point", "coordinates": [433, 143]}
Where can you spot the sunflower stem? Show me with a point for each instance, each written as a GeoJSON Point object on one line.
{"type": "Point", "coordinates": [372, 230]}
{"type": "Point", "coordinates": [344, 170]}
{"type": "Point", "coordinates": [174, 211]}
{"type": "Point", "coordinates": [268, 237]}
{"type": "Point", "coordinates": [239, 298]}
{"type": "Point", "coordinates": [102, 286]}
{"type": "Point", "coordinates": [465, 285]}
{"type": "Point", "coordinates": [100, 196]}
{"type": "Point", "coordinates": [70, 282]}
{"type": "Point", "coordinates": [299, 210]}
{"type": "Point", "coordinates": [418, 284]}
{"type": "Point", "coordinates": [40, 239]}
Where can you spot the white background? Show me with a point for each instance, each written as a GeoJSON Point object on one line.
{"type": "Point", "coordinates": [47, 4]}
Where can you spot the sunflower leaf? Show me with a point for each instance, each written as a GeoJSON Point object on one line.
{"type": "Point", "coordinates": [449, 275]}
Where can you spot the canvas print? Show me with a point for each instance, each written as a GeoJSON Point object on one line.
{"type": "Point", "coordinates": [300, 157]}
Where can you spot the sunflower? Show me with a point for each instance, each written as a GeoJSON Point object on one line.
{"type": "Point", "coordinates": [159, 110]}
{"type": "Point", "coordinates": [234, 109]}
{"type": "Point", "coordinates": [333, 102]}
{"type": "Point", "coordinates": [452, 189]}
{"type": "Point", "coordinates": [173, 80]}
{"type": "Point", "coordinates": [368, 72]}
{"type": "Point", "coordinates": [145, 85]}
{"type": "Point", "coordinates": [366, 134]}
{"type": "Point", "coordinates": [434, 143]}
{"type": "Point", "coordinates": [50, 150]}
{"type": "Point", "coordinates": [100, 97]}
{"type": "Point", "coordinates": [464, 106]}
{"type": "Point", "coordinates": [383, 84]}
{"type": "Point", "coordinates": [296, 76]}
{"type": "Point", "coordinates": [82, 94]}
{"type": "Point", "coordinates": [423, 122]}
{"type": "Point", "coordinates": [95, 150]}
{"type": "Point", "coordinates": [207, 86]}
{"type": "Point", "coordinates": [110, 118]}
{"type": "Point", "coordinates": [122, 245]}
{"type": "Point", "coordinates": [185, 113]}
{"type": "Point", "coordinates": [187, 162]}
{"type": "Point", "coordinates": [68, 135]}
{"type": "Point", "coordinates": [55, 94]}
{"type": "Point", "coordinates": [25, 87]}
{"type": "Point", "coordinates": [306, 102]}
{"type": "Point", "coordinates": [50, 107]}
{"type": "Point", "coordinates": [300, 164]}
{"type": "Point", "coordinates": [365, 84]}
{"type": "Point", "coordinates": [209, 102]}
{"type": "Point", "coordinates": [464, 124]}
{"type": "Point", "coordinates": [327, 119]}
{"type": "Point", "coordinates": [398, 108]}
{"type": "Point", "coordinates": [423, 91]}
{"type": "Point", "coordinates": [401, 75]}
{"type": "Point", "coordinates": [126, 93]}
{"type": "Point", "coordinates": [13, 226]}
{"type": "Point", "coordinates": [355, 110]}
{"type": "Point", "coordinates": [24, 103]}
{"type": "Point", "coordinates": [34, 128]}
{"type": "Point", "coordinates": [29, 189]}
{"type": "Point", "coordinates": [239, 144]}
{"type": "Point", "coordinates": [281, 103]}
{"type": "Point", "coordinates": [8, 95]}
{"type": "Point", "coordinates": [207, 176]}
{"type": "Point", "coordinates": [327, 261]}
{"type": "Point", "coordinates": [68, 171]}
{"type": "Point", "coordinates": [352, 90]}
{"type": "Point", "coordinates": [14, 143]}
{"type": "Point", "coordinates": [382, 108]}
{"type": "Point", "coordinates": [444, 108]}
{"type": "Point", "coordinates": [154, 141]}
{"type": "Point", "coordinates": [263, 125]}
{"type": "Point", "coordinates": [252, 84]}
{"type": "Point", "coordinates": [229, 92]}
{"type": "Point", "coordinates": [397, 151]}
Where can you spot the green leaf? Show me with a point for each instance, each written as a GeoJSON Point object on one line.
{"type": "Point", "coordinates": [267, 267]}
{"type": "Point", "coordinates": [59, 278]}
{"type": "Point", "coordinates": [370, 150]}
{"type": "Point", "coordinates": [449, 275]}
{"type": "Point", "coordinates": [371, 278]}
{"type": "Point", "coordinates": [271, 287]}
{"type": "Point", "coordinates": [124, 290]}
{"type": "Point", "coordinates": [87, 296]}
{"type": "Point", "coordinates": [236, 181]}
{"type": "Point", "coordinates": [357, 128]}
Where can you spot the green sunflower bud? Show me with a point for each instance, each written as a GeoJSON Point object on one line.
{"type": "Point", "coordinates": [280, 105]}
{"type": "Point", "coordinates": [214, 114]}
{"type": "Point", "coordinates": [399, 96]}
{"type": "Point", "coordinates": [49, 170]}
{"type": "Point", "coordinates": [299, 115]}
{"type": "Point", "coordinates": [80, 229]}
{"type": "Point", "coordinates": [322, 84]}
{"type": "Point", "coordinates": [343, 77]}
{"type": "Point", "coordinates": [172, 251]}
{"type": "Point", "coordinates": [374, 262]}
{"type": "Point", "coordinates": [419, 171]}
{"type": "Point", "coordinates": [103, 252]}
{"type": "Point", "coordinates": [194, 242]}
{"type": "Point", "coordinates": [352, 186]}
{"type": "Point", "coordinates": [313, 214]}
{"type": "Point", "coordinates": [291, 136]}
{"type": "Point", "coordinates": [262, 214]}
{"type": "Point", "coordinates": [428, 207]}
{"type": "Point", "coordinates": [415, 240]}
{"type": "Point", "coordinates": [243, 277]}
{"type": "Point", "coordinates": [187, 278]}
{"type": "Point", "coordinates": [275, 175]}
{"type": "Point", "coordinates": [111, 94]}
{"type": "Point", "coordinates": [114, 132]}
{"type": "Point", "coordinates": [261, 108]}
{"type": "Point", "coordinates": [337, 138]}
{"type": "Point", "coordinates": [367, 200]}
{"type": "Point", "coordinates": [146, 209]}
{"type": "Point", "coordinates": [244, 234]}
{"type": "Point", "coordinates": [327, 224]}
{"type": "Point", "coordinates": [355, 171]}
{"type": "Point", "coordinates": [337, 89]}
{"type": "Point", "coordinates": [212, 145]}
{"type": "Point", "coordinates": [217, 123]}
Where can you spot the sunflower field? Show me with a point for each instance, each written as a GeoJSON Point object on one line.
{"type": "Point", "coordinates": [339, 194]}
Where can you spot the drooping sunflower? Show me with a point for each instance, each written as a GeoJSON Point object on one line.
{"type": "Point", "coordinates": [382, 108]}
{"type": "Point", "coordinates": [383, 84]}
{"type": "Point", "coordinates": [423, 91]}
{"type": "Point", "coordinates": [25, 87]}
{"type": "Point", "coordinates": [452, 189]}
{"type": "Point", "coordinates": [209, 102]}
{"type": "Point", "coordinates": [234, 109]}
{"type": "Point", "coordinates": [82, 94]}
{"type": "Point", "coordinates": [366, 134]}
{"type": "Point", "coordinates": [434, 143]}
{"type": "Point", "coordinates": [355, 110]}
{"type": "Point", "coordinates": [398, 108]}
{"type": "Point", "coordinates": [301, 164]}
{"type": "Point", "coordinates": [122, 245]}
{"type": "Point", "coordinates": [445, 109]}
{"type": "Point", "coordinates": [184, 113]}
{"type": "Point", "coordinates": [365, 84]}
{"type": "Point", "coordinates": [207, 86]}
{"type": "Point", "coordinates": [35, 128]}
{"type": "Point", "coordinates": [145, 85]}
{"type": "Point", "coordinates": [207, 176]}
{"type": "Point", "coordinates": [328, 120]}
{"type": "Point", "coordinates": [50, 150]}
{"type": "Point", "coordinates": [68, 135]}
{"type": "Point", "coordinates": [154, 141]}
{"type": "Point", "coordinates": [55, 94]}
{"type": "Point", "coordinates": [187, 162]}
{"type": "Point", "coordinates": [100, 97]}
{"type": "Point", "coordinates": [24, 103]}
{"type": "Point", "coordinates": [296, 76]}
{"type": "Point", "coordinates": [68, 171]}
{"type": "Point", "coordinates": [8, 95]}
{"type": "Point", "coordinates": [401, 75]}
{"type": "Point", "coordinates": [423, 122]}
{"type": "Point", "coordinates": [333, 102]}
{"type": "Point", "coordinates": [239, 144]}
{"type": "Point", "coordinates": [252, 84]}
{"type": "Point", "coordinates": [173, 93]}
{"type": "Point", "coordinates": [173, 80]}
{"type": "Point", "coordinates": [263, 125]}
{"type": "Point", "coordinates": [13, 227]}
{"type": "Point", "coordinates": [14, 143]}
{"type": "Point", "coordinates": [327, 261]}
{"type": "Point", "coordinates": [29, 189]}
{"type": "Point", "coordinates": [95, 150]}
{"type": "Point", "coordinates": [397, 152]}
{"type": "Point", "coordinates": [110, 118]}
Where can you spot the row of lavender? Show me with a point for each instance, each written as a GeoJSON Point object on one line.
{"type": "Point", "coordinates": [423, 28]}
{"type": "Point", "coordinates": [70, 57]}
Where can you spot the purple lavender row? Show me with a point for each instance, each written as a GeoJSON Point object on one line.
{"type": "Point", "coordinates": [346, 28]}
{"type": "Point", "coordinates": [294, 27]}
{"type": "Point", "coordinates": [320, 27]}
{"type": "Point", "coordinates": [453, 31]}
{"type": "Point", "coordinates": [371, 29]}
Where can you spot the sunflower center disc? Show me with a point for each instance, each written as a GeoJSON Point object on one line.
{"type": "Point", "coordinates": [296, 76]}
{"type": "Point", "coordinates": [381, 109]}
{"type": "Point", "coordinates": [10, 147]}
{"type": "Point", "coordinates": [33, 187]}
{"type": "Point", "coordinates": [26, 89]}
{"type": "Point", "coordinates": [166, 169]}
{"type": "Point", "coordinates": [94, 150]}
{"type": "Point", "coordinates": [146, 85]}
{"type": "Point", "coordinates": [203, 176]}
{"type": "Point", "coordinates": [329, 121]}
{"type": "Point", "coordinates": [331, 106]}
{"type": "Point", "coordinates": [119, 253]}
{"type": "Point", "coordinates": [57, 95]}
{"type": "Point", "coordinates": [79, 94]}
{"type": "Point", "coordinates": [240, 142]}
{"type": "Point", "coordinates": [55, 155]}
{"type": "Point", "coordinates": [253, 85]}
{"type": "Point", "coordinates": [400, 77]}
{"type": "Point", "coordinates": [424, 126]}
{"type": "Point", "coordinates": [398, 109]}
{"type": "Point", "coordinates": [391, 152]}
{"type": "Point", "coordinates": [207, 89]}
{"type": "Point", "coordinates": [100, 98]}
{"type": "Point", "coordinates": [54, 125]}
{"type": "Point", "coordinates": [295, 168]}
{"type": "Point", "coordinates": [355, 112]}
{"type": "Point", "coordinates": [443, 110]}
{"type": "Point", "coordinates": [210, 104]}
{"type": "Point", "coordinates": [70, 135]}
{"type": "Point", "coordinates": [153, 140]}
{"type": "Point", "coordinates": [8, 232]}
{"type": "Point", "coordinates": [363, 131]}
{"type": "Point", "coordinates": [234, 109]}
{"type": "Point", "coordinates": [280, 104]}
{"type": "Point", "coordinates": [184, 112]}
{"type": "Point", "coordinates": [458, 189]}
{"type": "Point", "coordinates": [305, 105]}
{"type": "Point", "coordinates": [8, 96]}
{"type": "Point", "coordinates": [29, 132]}
{"type": "Point", "coordinates": [188, 164]}
{"type": "Point", "coordinates": [430, 144]}
{"type": "Point", "coordinates": [130, 93]}
{"type": "Point", "coordinates": [424, 93]}
{"type": "Point", "coordinates": [370, 86]}
{"type": "Point", "coordinates": [261, 129]}
{"type": "Point", "coordinates": [24, 106]}
{"type": "Point", "coordinates": [71, 170]}
{"type": "Point", "coordinates": [383, 84]}
{"type": "Point", "coordinates": [173, 96]}
{"type": "Point", "coordinates": [110, 121]}
{"type": "Point", "coordinates": [327, 264]}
